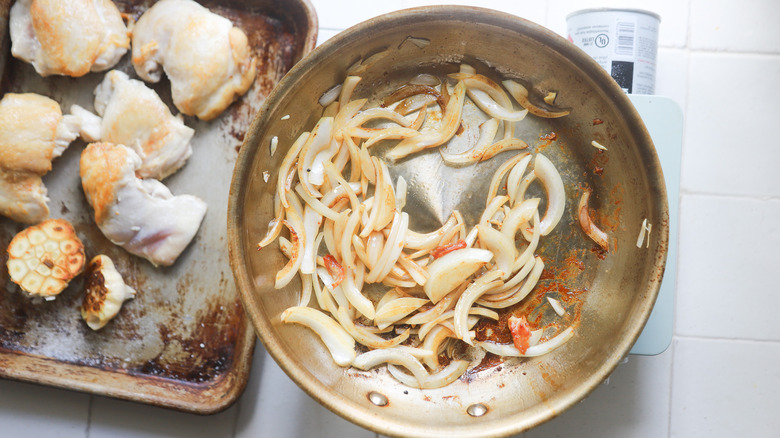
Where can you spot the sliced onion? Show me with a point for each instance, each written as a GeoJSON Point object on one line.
{"type": "Point", "coordinates": [340, 344]}
{"type": "Point", "coordinates": [472, 293]}
{"type": "Point", "coordinates": [556, 194]}
{"type": "Point", "coordinates": [508, 288]}
{"type": "Point", "coordinates": [587, 225]}
{"type": "Point", "coordinates": [442, 378]}
{"type": "Point", "coordinates": [449, 126]}
{"type": "Point", "coordinates": [370, 359]}
{"type": "Point", "coordinates": [528, 253]}
{"type": "Point", "coordinates": [445, 304]}
{"type": "Point", "coordinates": [282, 185]}
{"type": "Point", "coordinates": [346, 112]}
{"type": "Point", "coordinates": [484, 101]}
{"type": "Point", "coordinates": [534, 350]}
{"type": "Point", "coordinates": [316, 204]}
{"type": "Point", "coordinates": [556, 305]}
{"type": "Point", "coordinates": [319, 141]}
{"type": "Point", "coordinates": [294, 223]}
{"type": "Point", "coordinates": [330, 96]}
{"type": "Point", "coordinates": [430, 240]}
{"type": "Point", "coordinates": [521, 291]}
{"type": "Point", "coordinates": [519, 215]}
{"type": "Point", "coordinates": [425, 79]}
{"type": "Point", "coordinates": [415, 271]}
{"type": "Point", "coordinates": [365, 337]}
{"type": "Point", "coordinates": [396, 309]}
{"type": "Point", "coordinates": [494, 205]}
{"type": "Point", "coordinates": [520, 93]}
{"type": "Point", "coordinates": [311, 227]}
{"type": "Point", "coordinates": [514, 178]}
{"type": "Point", "coordinates": [451, 270]}
{"type": "Point", "coordinates": [498, 176]}
{"type": "Point", "coordinates": [598, 145]}
{"type": "Point", "coordinates": [433, 343]}
{"type": "Point", "coordinates": [503, 248]}
{"type": "Point", "coordinates": [487, 133]}
{"type": "Point", "coordinates": [324, 299]}
{"type": "Point", "coordinates": [345, 95]}
{"type": "Point", "coordinates": [356, 297]}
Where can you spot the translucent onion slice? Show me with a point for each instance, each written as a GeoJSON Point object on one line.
{"type": "Point", "coordinates": [306, 288]}
{"type": "Point", "coordinates": [430, 240]}
{"type": "Point", "coordinates": [528, 253]}
{"type": "Point", "coordinates": [514, 178]}
{"type": "Point", "coordinates": [319, 141]}
{"type": "Point", "coordinates": [587, 225]}
{"type": "Point", "coordinates": [492, 108]}
{"type": "Point", "coordinates": [387, 200]}
{"type": "Point", "coordinates": [347, 88]}
{"type": "Point", "coordinates": [365, 337]}
{"type": "Point", "coordinates": [445, 304]}
{"type": "Point", "coordinates": [556, 305]}
{"type": "Point", "coordinates": [392, 249]}
{"type": "Point", "coordinates": [453, 269]}
{"type": "Point", "coordinates": [520, 93]}
{"type": "Point", "coordinates": [346, 112]}
{"type": "Point", "coordinates": [503, 248]}
{"type": "Point", "coordinates": [392, 294]}
{"type": "Point", "coordinates": [283, 184]}
{"type": "Point", "coordinates": [534, 350]}
{"type": "Point", "coordinates": [556, 194]}
{"type": "Point", "coordinates": [442, 378]}
{"type": "Point", "coordinates": [396, 309]}
{"type": "Point", "coordinates": [521, 291]}
{"type": "Point", "coordinates": [395, 356]}
{"type": "Point", "coordinates": [509, 288]}
{"type": "Point", "coordinates": [414, 103]}
{"type": "Point", "coordinates": [316, 204]}
{"type": "Point", "coordinates": [485, 85]}
{"type": "Point", "coordinates": [519, 215]}
{"type": "Point", "coordinates": [335, 292]}
{"type": "Point", "coordinates": [311, 227]}
{"type": "Point", "coordinates": [498, 176]}
{"type": "Point", "coordinates": [294, 223]}
{"type": "Point", "coordinates": [394, 133]}
{"type": "Point", "coordinates": [425, 79]}
{"type": "Point", "coordinates": [339, 192]}
{"type": "Point", "coordinates": [479, 311]}
{"type": "Point", "coordinates": [487, 133]}
{"type": "Point", "coordinates": [340, 344]}
{"type": "Point", "coordinates": [483, 284]}
{"type": "Point", "coordinates": [330, 95]}
{"type": "Point", "coordinates": [372, 114]}
{"type": "Point", "coordinates": [492, 208]}
{"type": "Point", "coordinates": [356, 297]}
{"type": "Point", "coordinates": [428, 139]}
{"type": "Point", "coordinates": [415, 271]}
{"type": "Point", "coordinates": [433, 342]}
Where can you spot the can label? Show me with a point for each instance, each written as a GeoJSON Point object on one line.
{"type": "Point", "coordinates": [623, 42]}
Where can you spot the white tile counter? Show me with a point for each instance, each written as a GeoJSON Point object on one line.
{"type": "Point", "coordinates": [720, 377]}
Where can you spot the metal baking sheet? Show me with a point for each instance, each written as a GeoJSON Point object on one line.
{"type": "Point", "coordinates": [184, 342]}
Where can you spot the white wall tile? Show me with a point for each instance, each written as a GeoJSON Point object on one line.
{"type": "Point", "coordinates": [730, 142]}
{"type": "Point", "coordinates": [725, 389]}
{"type": "Point", "coordinates": [673, 30]}
{"type": "Point", "coordinates": [27, 409]}
{"type": "Point", "coordinates": [744, 26]}
{"type": "Point", "coordinates": [341, 14]}
{"type": "Point", "coordinates": [112, 418]}
{"type": "Point", "coordinates": [633, 403]}
{"type": "Point", "coordinates": [727, 276]}
{"type": "Point", "coordinates": [274, 406]}
{"type": "Point", "coordinates": [671, 77]}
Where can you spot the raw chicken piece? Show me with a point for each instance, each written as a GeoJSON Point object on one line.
{"type": "Point", "coordinates": [142, 216]}
{"type": "Point", "coordinates": [207, 60]}
{"type": "Point", "coordinates": [105, 292]}
{"type": "Point", "coordinates": [133, 115]}
{"type": "Point", "coordinates": [33, 132]}
{"type": "Point", "coordinates": [68, 37]}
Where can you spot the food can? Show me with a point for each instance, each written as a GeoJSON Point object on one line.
{"type": "Point", "coordinates": [623, 41]}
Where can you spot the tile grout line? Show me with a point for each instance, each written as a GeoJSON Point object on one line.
{"type": "Point", "coordinates": [729, 195]}
{"type": "Point", "coordinates": [87, 429]}
{"type": "Point", "coordinates": [718, 339]}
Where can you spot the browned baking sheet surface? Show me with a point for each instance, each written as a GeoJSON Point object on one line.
{"type": "Point", "coordinates": [184, 341]}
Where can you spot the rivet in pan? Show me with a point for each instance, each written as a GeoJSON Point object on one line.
{"type": "Point", "coordinates": [477, 410]}
{"type": "Point", "coordinates": [377, 398]}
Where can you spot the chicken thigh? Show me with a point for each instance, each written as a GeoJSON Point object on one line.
{"type": "Point", "coordinates": [140, 215]}
{"type": "Point", "coordinates": [68, 37]}
{"type": "Point", "coordinates": [207, 60]}
{"type": "Point", "coordinates": [135, 116]}
{"type": "Point", "coordinates": [33, 132]}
